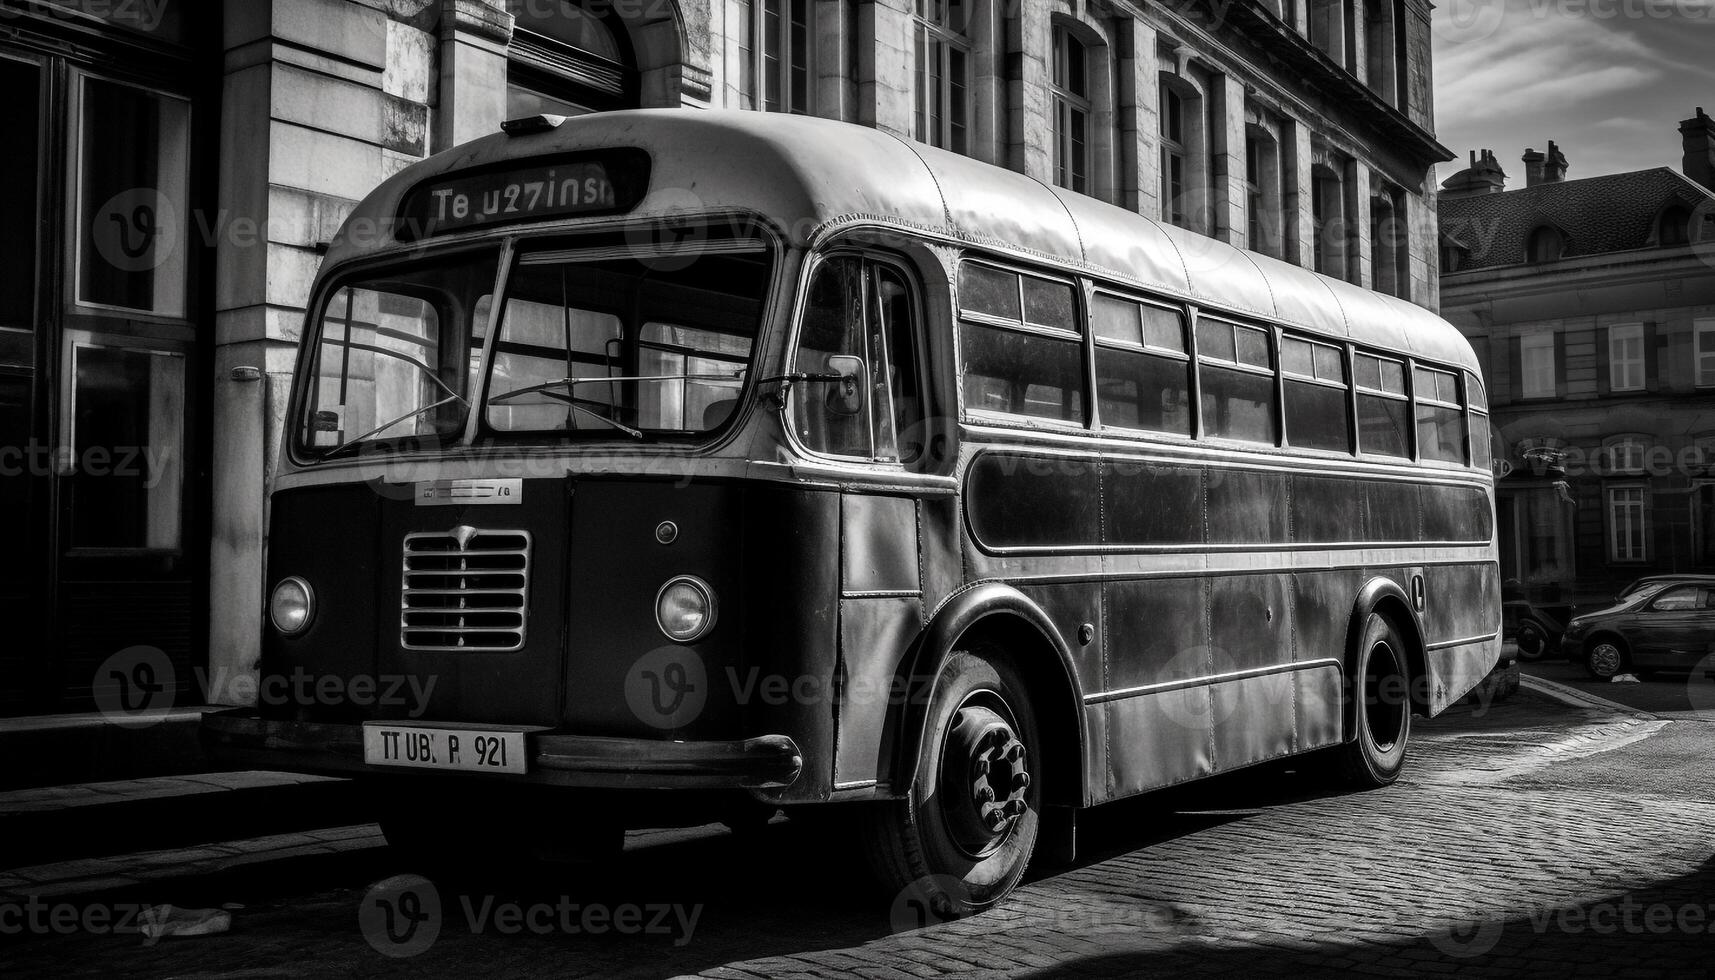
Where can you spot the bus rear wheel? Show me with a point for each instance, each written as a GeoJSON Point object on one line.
{"type": "Point", "coordinates": [961, 839]}
{"type": "Point", "coordinates": [1381, 692]}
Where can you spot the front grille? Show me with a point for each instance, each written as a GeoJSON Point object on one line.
{"type": "Point", "coordinates": [465, 590]}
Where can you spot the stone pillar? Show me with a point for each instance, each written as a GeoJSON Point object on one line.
{"type": "Point", "coordinates": [474, 35]}
{"type": "Point", "coordinates": [322, 99]}
{"type": "Point", "coordinates": [1297, 158]}
{"type": "Point", "coordinates": [887, 70]}
{"type": "Point", "coordinates": [1358, 244]}
{"type": "Point", "coordinates": [1030, 97]}
{"type": "Point", "coordinates": [1139, 120]}
{"type": "Point", "coordinates": [1228, 196]}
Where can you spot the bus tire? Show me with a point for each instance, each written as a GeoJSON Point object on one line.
{"type": "Point", "coordinates": [962, 837]}
{"type": "Point", "coordinates": [1381, 692]}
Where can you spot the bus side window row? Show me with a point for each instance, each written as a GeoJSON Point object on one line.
{"type": "Point", "coordinates": [1023, 352]}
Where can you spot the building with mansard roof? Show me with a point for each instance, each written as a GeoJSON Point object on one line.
{"type": "Point", "coordinates": [210, 156]}
{"type": "Point", "coordinates": [1592, 305]}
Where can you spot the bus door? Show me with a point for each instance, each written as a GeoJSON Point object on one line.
{"type": "Point", "coordinates": [862, 324]}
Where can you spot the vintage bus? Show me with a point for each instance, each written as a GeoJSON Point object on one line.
{"type": "Point", "coordinates": [693, 465]}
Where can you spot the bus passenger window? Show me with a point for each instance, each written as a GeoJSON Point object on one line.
{"type": "Point", "coordinates": [1383, 411]}
{"type": "Point", "coordinates": [860, 309]}
{"type": "Point", "coordinates": [1142, 370]}
{"type": "Point", "coordinates": [1440, 423]}
{"type": "Point", "coordinates": [1021, 346]}
{"type": "Point", "coordinates": [1238, 381]}
{"type": "Point", "coordinates": [1317, 416]}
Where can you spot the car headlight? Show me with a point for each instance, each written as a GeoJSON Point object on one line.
{"type": "Point", "coordinates": [292, 606]}
{"type": "Point", "coordinates": [685, 609]}
{"type": "Point", "coordinates": [1576, 626]}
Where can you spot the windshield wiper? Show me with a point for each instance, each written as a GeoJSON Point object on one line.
{"type": "Point", "coordinates": [356, 440]}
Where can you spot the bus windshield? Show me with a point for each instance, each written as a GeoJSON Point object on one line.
{"type": "Point", "coordinates": [617, 345]}
{"type": "Point", "coordinates": [394, 356]}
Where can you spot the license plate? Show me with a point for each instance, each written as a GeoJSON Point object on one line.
{"type": "Point", "coordinates": [456, 749]}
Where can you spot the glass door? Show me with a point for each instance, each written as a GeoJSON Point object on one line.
{"type": "Point", "coordinates": [23, 472]}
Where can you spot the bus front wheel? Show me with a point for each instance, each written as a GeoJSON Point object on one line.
{"type": "Point", "coordinates": [1381, 692]}
{"type": "Point", "coordinates": [961, 839]}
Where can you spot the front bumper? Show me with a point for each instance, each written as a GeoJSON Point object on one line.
{"type": "Point", "coordinates": [239, 736]}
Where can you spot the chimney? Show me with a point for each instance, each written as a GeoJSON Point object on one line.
{"type": "Point", "coordinates": [1483, 176]}
{"type": "Point", "coordinates": [1544, 168]}
{"type": "Point", "coordinates": [1554, 171]}
{"type": "Point", "coordinates": [1532, 167]}
{"type": "Point", "coordinates": [1698, 132]}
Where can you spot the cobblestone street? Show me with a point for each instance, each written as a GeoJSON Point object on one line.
{"type": "Point", "coordinates": [1529, 839]}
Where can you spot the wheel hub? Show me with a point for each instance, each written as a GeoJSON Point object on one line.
{"type": "Point", "coordinates": [984, 759]}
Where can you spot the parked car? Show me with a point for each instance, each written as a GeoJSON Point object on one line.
{"type": "Point", "coordinates": [1660, 625]}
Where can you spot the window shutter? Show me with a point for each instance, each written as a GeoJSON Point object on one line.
{"type": "Point", "coordinates": [1560, 365]}
{"type": "Point", "coordinates": [1516, 375]}
{"type": "Point", "coordinates": [1604, 360]}
{"type": "Point", "coordinates": [1652, 370]}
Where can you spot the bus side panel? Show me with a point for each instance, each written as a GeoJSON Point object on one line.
{"type": "Point", "coordinates": [875, 634]}
{"type": "Point", "coordinates": [1322, 608]}
{"type": "Point", "coordinates": [1460, 605]}
{"type": "Point", "coordinates": [1159, 739]}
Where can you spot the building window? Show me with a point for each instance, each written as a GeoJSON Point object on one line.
{"type": "Point", "coordinates": [1624, 454]}
{"type": "Point", "coordinates": [1390, 238]}
{"type": "Point", "coordinates": [1379, 49]}
{"type": "Point", "coordinates": [775, 41]}
{"type": "Point", "coordinates": [1546, 244]}
{"type": "Point", "coordinates": [1626, 357]}
{"type": "Point", "coordinates": [1173, 156]}
{"type": "Point", "coordinates": [1263, 211]}
{"type": "Point", "coordinates": [132, 193]}
{"type": "Point", "coordinates": [1704, 331]}
{"type": "Point", "coordinates": [1328, 27]}
{"type": "Point", "coordinates": [1703, 521]}
{"type": "Point", "coordinates": [943, 75]}
{"type": "Point", "coordinates": [1328, 209]}
{"type": "Point", "coordinates": [567, 61]}
{"type": "Point", "coordinates": [1536, 366]}
{"type": "Point", "coordinates": [1072, 111]}
{"type": "Point", "coordinates": [1674, 228]}
{"type": "Point", "coordinates": [127, 402]}
{"type": "Point", "coordinates": [1626, 527]}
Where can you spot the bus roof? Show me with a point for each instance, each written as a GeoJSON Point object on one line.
{"type": "Point", "coordinates": [810, 176]}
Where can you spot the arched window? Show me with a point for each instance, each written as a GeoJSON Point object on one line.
{"type": "Point", "coordinates": [1546, 244]}
{"type": "Point", "coordinates": [1264, 212]}
{"type": "Point", "coordinates": [1073, 109]}
{"type": "Point", "coordinates": [776, 39]}
{"type": "Point", "coordinates": [1328, 211]}
{"type": "Point", "coordinates": [943, 75]}
{"type": "Point", "coordinates": [567, 59]}
{"type": "Point", "coordinates": [1674, 226]}
{"type": "Point", "coordinates": [1183, 138]}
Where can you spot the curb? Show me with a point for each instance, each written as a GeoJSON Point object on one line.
{"type": "Point", "coordinates": [1575, 698]}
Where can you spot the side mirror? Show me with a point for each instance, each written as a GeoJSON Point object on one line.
{"type": "Point", "coordinates": [845, 396]}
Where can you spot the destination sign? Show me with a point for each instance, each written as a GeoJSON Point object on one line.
{"type": "Point", "coordinates": [611, 183]}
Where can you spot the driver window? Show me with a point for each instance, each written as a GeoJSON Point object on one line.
{"type": "Point", "coordinates": [858, 325]}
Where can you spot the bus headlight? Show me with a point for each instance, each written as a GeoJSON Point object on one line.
{"type": "Point", "coordinates": [292, 606]}
{"type": "Point", "coordinates": [685, 609]}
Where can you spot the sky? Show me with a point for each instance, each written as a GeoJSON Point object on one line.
{"type": "Point", "coordinates": [1607, 80]}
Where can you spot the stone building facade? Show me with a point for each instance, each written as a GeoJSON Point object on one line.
{"type": "Point", "coordinates": [190, 162]}
{"type": "Point", "coordinates": [1591, 304]}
